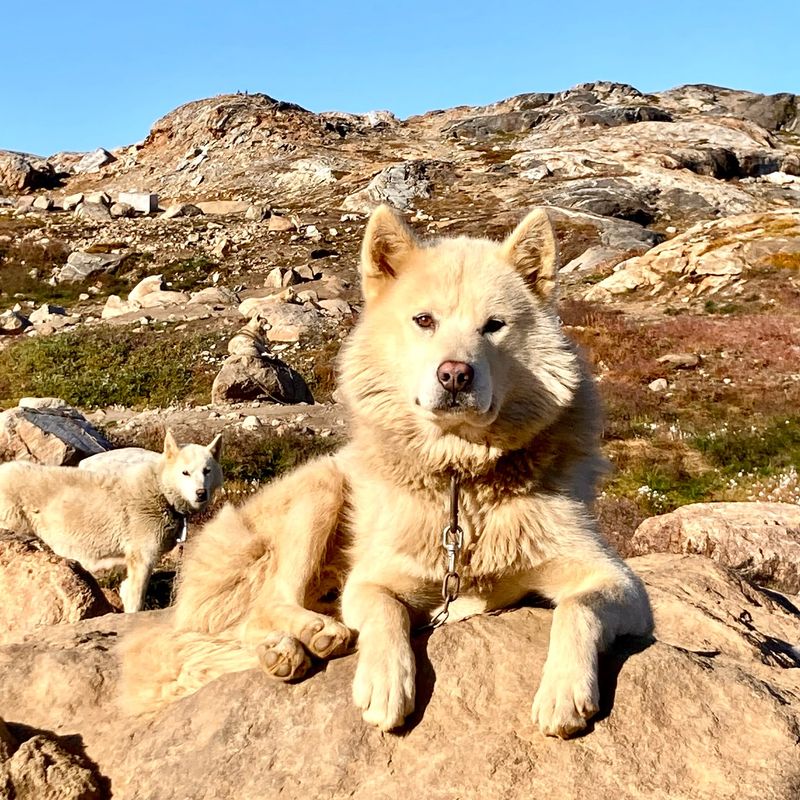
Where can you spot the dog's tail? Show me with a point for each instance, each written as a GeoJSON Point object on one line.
{"type": "Point", "coordinates": [160, 664]}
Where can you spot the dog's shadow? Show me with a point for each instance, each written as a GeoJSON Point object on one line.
{"type": "Point", "coordinates": [609, 667]}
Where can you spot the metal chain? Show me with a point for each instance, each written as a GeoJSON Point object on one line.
{"type": "Point", "coordinates": [453, 543]}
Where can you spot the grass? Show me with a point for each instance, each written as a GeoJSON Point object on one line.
{"type": "Point", "coordinates": [95, 367]}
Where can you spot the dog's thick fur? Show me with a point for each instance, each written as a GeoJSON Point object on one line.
{"type": "Point", "coordinates": [126, 516]}
{"type": "Point", "coordinates": [523, 438]}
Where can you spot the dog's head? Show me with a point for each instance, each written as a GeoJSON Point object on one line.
{"type": "Point", "coordinates": [459, 337]}
{"type": "Point", "coordinates": [191, 474]}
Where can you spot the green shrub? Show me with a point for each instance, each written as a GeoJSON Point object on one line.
{"type": "Point", "coordinates": [94, 367]}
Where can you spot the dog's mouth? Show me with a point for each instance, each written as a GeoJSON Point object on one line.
{"type": "Point", "coordinates": [457, 410]}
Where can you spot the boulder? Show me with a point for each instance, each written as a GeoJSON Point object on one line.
{"type": "Point", "coordinates": [761, 541]}
{"type": "Point", "coordinates": [121, 210]}
{"type": "Point", "coordinates": [708, 710]}
{"type": "Point", "coordinates": [244, 378]}
{"type": "Point", "coordinates": [82, 266]}
{"type": "Point", "coordinates": [95, 212]}
{"type": "Point", "coordinates": [143, 202]}
{"type": "Point", "coordinates": [43, 769]}
{"type": "Point", "coordinates": [709, 254]}
{"type": "Point", "coordinates": [181, 210]}
{"type": "Point", "coordinates": [398, 185]}
{"type": "Point", "coordinates": [42, 203]}
{"type": "Point", "coordinates": [57, 436]}
{"type": "Point", "coordinates": [92, 162]}
{"type": "Point", "coordinates": [278, 224]}
{"type": "Point", "coordinates": [223, 207]}
{"type": "Point", "coordinates": [40, 588]}
{"type": "Point", "coordinates": [13, 323]}
{"type": "Point", "coordinates": [20, 172]}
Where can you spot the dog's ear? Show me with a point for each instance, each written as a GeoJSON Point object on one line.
{"type": "Point", "coordinates": [215, 448]}
{"type": "Point", "coordinates": [532, 249]}
{"type": "Point", "coordinates": [170, 445]}
{"type": "Point", "coordinates": [388, 243]}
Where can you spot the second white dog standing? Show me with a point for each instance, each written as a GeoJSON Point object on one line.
{"type": "Point", "coordinates": [123, 515]}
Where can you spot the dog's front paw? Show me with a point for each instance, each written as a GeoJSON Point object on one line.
{"type": "Point", "coordinates": [565, 701]}
{"type": "Point", "coordinates": [384, 685]}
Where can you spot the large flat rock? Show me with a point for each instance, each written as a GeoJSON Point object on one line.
{"type": "Point", "coordinates": [708, 710]}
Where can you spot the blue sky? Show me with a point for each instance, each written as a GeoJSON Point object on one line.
{"type": "Point", "coordinates": [83, 74]}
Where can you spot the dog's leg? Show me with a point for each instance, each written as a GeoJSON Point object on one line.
{"type": "Point", "coordinates": [596, 601]}
{"type": "Point", "coordinates": [384, 683]}
{"type": "Point", "coordinates": [305, 530]}
{"type": "Point", "coordinates": [133, 589]}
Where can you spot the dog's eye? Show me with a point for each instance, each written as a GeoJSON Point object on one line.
{"type": "Point", "coordinates": [186, 473]}
{"type": "Point", "coordinates": [493, 325]}
{"type": "Point", "coordinates": [424, 320]}
{"type": "Point", "coordinates": [206, 471]}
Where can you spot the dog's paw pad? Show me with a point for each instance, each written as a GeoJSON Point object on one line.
{"type": "Point", "coordinates": [326, 637]}
{"type": "Point", "coordinates": [283, 657]}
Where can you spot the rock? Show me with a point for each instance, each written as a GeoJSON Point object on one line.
{"type": "Point", "coordinates": [289, 278]}
{"type": "Point", "coordinates": [307, 273]}
{"type": "Point", "coordinates": [672, 717]}
{"type": "Point", "coordinates": [215, 295]}
{"type": "Point", "coordinates": [251, 423]}
{"type": "Point", "coordinates": [278, 224]}
{"type": "Point", "coordinates": [181, 210]}
{"type": "Point", "coordinates": [40, 588]}
{"type": "Point", "coordinates": [42, 769]}
{"type": "Point", "coordinates": [257, 213]}
{"type": "Point", "coordinates": [680, 360]}
{"type": "Point", "coordinates": [223, 207]}
{"type": "Point", "coordinates": [336, 307]}
{"type": "Point", "coordinates": [98, 198]}
{"type": "Point", "coordinates": [148, 285]}
{"type": "Point", "coordinates": [121, 210]}
{"type": "Point", "coordinates": [222, 248]}
{"type": "Point", "coordinates": [45, 403]}
{"type": "Point", "coordinates": [57, 436]}
{"type": "Point", "coordinates": [163, 298]}
{"type": "Point", "coordinates": [117, 307]}
{"type": "Point", "coordinates": [721, 249]}
{"type": "Point", "coordinates": [143, 202]}
{"type": "Point", "coordinates": [13, 323]}
{"type": "Point", "coordinates": [43, 203]}
{"type": "Point", "coordinates": [658, 385]}
{"type": "Point", "coordinates": [398, 185]}
{"type": "Point", "coordinates": [20, 172]}
{"type": "Point", "coordinates": [92, 162]}
{"type": "Point", "coordinates": [274, 279]}
{"type": "Point", "coordinates": [96, 212]}
{"type": "Point", "coordinates": [81, 266]}
{"type": "Point", "coordinates": [72, 201]}
{"type": "Point", "coordinates": [761, 541]}
{"type": "Point", "coordinates": [244, 378]}
{"type": "Point", "coordinates": [46, 313]}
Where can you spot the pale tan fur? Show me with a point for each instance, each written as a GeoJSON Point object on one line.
{"type": "Point", "coordinates": [524, 441]}
{"type": "Point", "coordinates": [127, 517]}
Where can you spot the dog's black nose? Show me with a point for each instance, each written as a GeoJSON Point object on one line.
{"type": "Point", "coordinates": [202, 494]}
{"type": "Point", "coordinates": [455, 376]}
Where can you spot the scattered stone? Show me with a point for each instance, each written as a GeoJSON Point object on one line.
{"type": "Point", "coordinates": [40, 588]}
{"type": "Point", "coordinates": [58, 436]}
{"type": "Point", "coordinates": [289, 278]}
{"type": "Point", "coordinates": [94, 161]}
{"type": "Point", "coordinates": [278, 224]}
{"type": "Point", "coordinates": [121, 210]}
{"type": "Point", "coordinates": [181, 210]}
{"type": "Point", "coordinates": [72, 201]}
{"type": "Point", "coordinates": [215, 295]}
{"type": "Point", "coordinates": [251, 423]}
{"type": "Point", "coordinates": [96, 212]}
{"type": "Point", "coordinates": [680, 360]}
{"type": "Point", "coordinates": [42, 203]}
{"type": "Point", "coordinates": [658, 385]}
{"type": "Point", "coordinates": [19, 172]}
{"type": "Point", "coordinates": [336, 307]}
{"type": "Point", "coordinates": [98, 198]}
{"type": "Point", "coordinates": [222, 248]}
{"type": "Point", "coordinates": [143, 202]}
{"type": "Point", "coordinates": [46, 313]}
{"type": "Point", "coordinates": [307, 273]}
{"type": "Point", "coordinates": [80, 266]}
{"type": "Point", "coordinates": [274, 279]}
{"type": "Point", "coordinates": [257, 213]}
{"type": "Point", "coordinates": [13, 323]}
